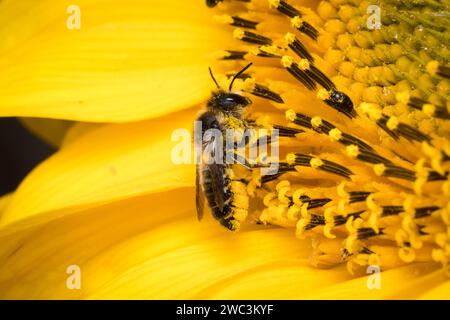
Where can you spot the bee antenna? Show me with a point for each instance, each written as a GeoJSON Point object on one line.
{"type": "Point", "coordinates": [214, 79]}
{"type": "Point", "coordinates": [238, 74]}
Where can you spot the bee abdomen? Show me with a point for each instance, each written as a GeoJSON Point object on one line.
{"type": "Point", "coordinates": [235, 199]}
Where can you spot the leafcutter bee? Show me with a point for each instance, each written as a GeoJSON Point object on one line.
{"type": "Point", "coordinates": [225, 195]}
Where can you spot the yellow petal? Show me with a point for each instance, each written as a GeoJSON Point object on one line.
{"type": "Point", "coordinates": [49, 130]}
{"type": "Point", "coordinates": [441, 292]}
{"type": "Point", "coordinates": [34, 260]}
{"type": "Point", "coordinates": [4, 201]}
{"type": "Point", "coordinates": [111, 162]}
{"type": "Point", "coordinates": [78, 130]}
{"type": "Point", "coordinates": [407, 282]}
{"type": "Point", "coordinates": [129, 60]}
{"type": "Point", "coordinates": [152, 247]}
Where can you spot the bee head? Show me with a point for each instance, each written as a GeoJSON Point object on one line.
{"type": "Point", "coordinates": [228, 101]}
{"type": "Point", "coordinates": [212, 3]}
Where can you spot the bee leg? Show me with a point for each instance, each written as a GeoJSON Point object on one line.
{"type": "Point", "coordinates": [244, 162]}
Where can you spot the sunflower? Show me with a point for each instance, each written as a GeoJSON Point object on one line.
{"type": "Point", "coordinates": [364, 115]}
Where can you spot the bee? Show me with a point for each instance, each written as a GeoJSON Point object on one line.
{"type": "Point", "coordinates": [225, 194]}
{"type": "Point", "coordinates": [213, 3]}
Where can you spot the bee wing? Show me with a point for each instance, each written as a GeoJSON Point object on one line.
{"type": "Point", "coordinates": [217, 183]}
{"type": "Point", "coordinates": [199, 195]}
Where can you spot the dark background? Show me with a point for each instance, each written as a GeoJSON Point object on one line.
{"type": "Point", "coordinates": [20, 151]}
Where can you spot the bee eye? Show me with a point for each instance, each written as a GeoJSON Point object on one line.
{"type": "Point", "coordinates": [229, 102]}
{"type": "Point", "coordinates": [235, 99]}
{"type": "Point", "coordinates": [212, 3]}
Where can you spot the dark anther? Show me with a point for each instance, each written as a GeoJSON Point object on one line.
{"type": "Point", "coordinates": [382, 123]}
{"type": "Point", "coordinates": [235, 55]}
{"type": "Point", "coordinates": [315, 220]}
{"type": "Point", "coordinates": [340, 220]}
{"type": "Point", "coordinates": [301, 76]}
{"type": "Point", "coordinates": [358, 196]}
{"type": "Point", "coordinates": [287, 131]}
{"type": "Point", "coordinates": [252, 37]}
{"type": "Point", "coordinates": [436, 176]}
{"type": "Point", "coordinates": [301, 50]}
{"type": "Point", "coordinates": [348, 139]}
{"type": "Point", "coordinates": [321, 78]}
{"type": "Point", "coordinates": [371, 157]}
{"type": "Point", "coordinates": [243, 23]}
{"type": "Point", "coordinates": [303, 120]}
{"type": "Point", "coordinates": [309, 30]}
{"type": "Point", "coordinates": [316, 203]}
{"type": "Point", "coordinates": [264, 92]}
{"type": "Point", "coordinates": [411, 133]}
{"type": "Point", "coordinates": [287, 9]}
{"type": "Point", "coordinates": [425, 211]}
{"type": "Point", "coordinates": [391, 210]}
{"type": "Point", "coordinates": [399, 172]}
{"type": "Point", "coordinates": [328, 166]}
{"type": "Point", "coordinates": [365, 233]}
{"type": "Point", "coordinates": [444, 71]}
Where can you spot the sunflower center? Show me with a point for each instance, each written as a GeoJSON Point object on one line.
{"type": "Point", "coordinates": [363, 118]}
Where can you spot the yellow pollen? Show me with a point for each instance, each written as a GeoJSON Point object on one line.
{"type": "Point", "coordinates": [296, 22]}
{"type": "Point", "coordinates": [341, 190]}
{"type": "Point", "coordinates": [392, 123]}
{"type": "Point", "coordinates": [300, 228]}
{"type": "Point", "coordinates": [282, 185]}
{"type": "Point", "coordinates": [429, 109]}
{"type": "Point", "coordinates": [316, 122]}
{"type": "Point", "coordinates": [327, 231]}
{"type": "Point", "coordinates": [293, 213]}
{"type": "Point", "coordinates": [268, 198]}
{"type": "Point", "coordinates": [304, 64]}
{"type": "Point", "coordinates": [289, 38]}
{"type": "Point", "coordinates": [371, 109]}
{"type": "Point", "coordinates": [240, 214]}
{"type": "Point", "coordinates": [274, 3]}
{"type": "Point", "coordinates": [271, 50]}
{"type": "Point", "coordinates": [335, 134]}
{"type": "Point", "coordinates": [287, 61]}
{"type": "Point", "coordinates": [402, 97]}
{"type": "Point", "coordinates": [316, 163]}
{"type": "Point", "coordinates": [290, 115]}
{"type": "Point", "coordinates": [296, 197]}
{"type": "Point", "coordinates": [352, 150]}
{"type": "Point", "coordinates": [224, 18]}
{"type": "Point", "coordinates": [248, 84]}
{"type": "Point", "coordinates": [241, 201]}
{"type": "Point", "coordinates": [290, 158]}
{"type": "Point", "coordinates": [304, 211]}
{"type": "Point", "coordinates": [432, 67]}
{"type": "Point", "coordinates": [408, 255]}
{"type": "Point", "coordinates": [235, 225]}
{"type": "Point", "coordinates": [238, 33]}
{"type": "Point", "coordinates": [323, 94]}
{"type": "Point", "coordinates": [379, 169]}
{"type": "Point", "coordinates": [238, 187]}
